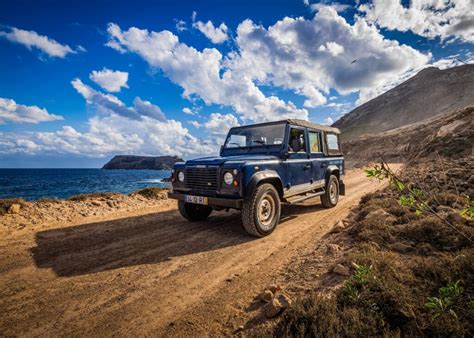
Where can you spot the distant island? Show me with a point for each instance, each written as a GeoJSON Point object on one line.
{"type": "Point", "coordinates": [142, 162]}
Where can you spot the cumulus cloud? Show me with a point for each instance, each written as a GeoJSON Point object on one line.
{"type": "Point", "coordinates": [108, 135]}
{"type": "Point", "coordinates": [110, 80]}
{"type": "Point", "coordinates": [189, 111]}
{"type": "Point", "coordinates": [31, 39]}
{"type": "Point", "coordinates": [429, 18]}
{"type": "Point", "coordinates": [219, 124]}
{"type": "Point", "coordinates": [12, 112]}
{"type": "Point", "coordinates": [107, 103]}
{"type": "Point", "coordinates": [328, 121]}
{"type": "Point", "coordinates": [312, 56]}
{"type": "Point", "coordinates": [202, 73]}
{"type": "Point", "coordinates": [215, 34]}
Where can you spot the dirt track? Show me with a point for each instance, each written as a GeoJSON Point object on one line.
{"type": "Point", "coordinates": [150, 271]}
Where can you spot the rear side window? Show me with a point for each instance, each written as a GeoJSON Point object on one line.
{"type": "Point", "coordinates": [332, 141]}
{"type": "Point", "coordinates": [314, 142]}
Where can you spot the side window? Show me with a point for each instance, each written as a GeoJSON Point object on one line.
{"type": "Point", "coordinates": [332, 140]}
{"type": "Point", "coordinates": [314, 145]}
{"type": "Point", "coordinates": [297, 142]}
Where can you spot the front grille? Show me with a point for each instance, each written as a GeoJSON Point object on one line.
{"type": "Point", "coordinates": [202, 180]}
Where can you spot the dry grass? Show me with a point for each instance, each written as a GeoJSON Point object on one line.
{"type": "Point", "coordinates": [151, 192]}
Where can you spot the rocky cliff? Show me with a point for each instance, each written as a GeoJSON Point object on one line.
{"type": "Point", "coordinates": [142, 162]}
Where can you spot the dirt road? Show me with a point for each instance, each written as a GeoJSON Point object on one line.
{"type": "Point", "coordinates": [152, 272]}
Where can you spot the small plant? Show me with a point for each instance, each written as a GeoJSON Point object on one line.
{"type": "Point", "coordinates": [469, 212]}
{"type": "Point", "coordinates": [444, 304]}
{"type": "Point", "coordinates": [358, 280]}
{"type": "Point", "coordinates": [411, 195]}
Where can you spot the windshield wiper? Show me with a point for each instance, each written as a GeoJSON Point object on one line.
{"type": "Point", "coordinates": [259, 141]}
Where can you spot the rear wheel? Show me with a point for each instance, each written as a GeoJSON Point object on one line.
{"type": "Point", "coordinates": [194, 212]}
{"type": "Point", "coordinates": [261, 212]}
{"type": "Point", "coordinates": [331, 196]}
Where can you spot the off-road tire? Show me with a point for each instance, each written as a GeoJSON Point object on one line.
{"type": "Point", "coordinates": [250, 218]}
{"type": "Point", "coordinates": [194, 212]}
{"type": "Point", "coordinates": [331, 197]}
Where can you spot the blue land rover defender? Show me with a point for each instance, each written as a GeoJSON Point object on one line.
{"type": "Point", "coordinates": [261, 166]}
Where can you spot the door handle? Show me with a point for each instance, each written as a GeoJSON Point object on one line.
{"type": "Point", "coordinates": [306, 167]}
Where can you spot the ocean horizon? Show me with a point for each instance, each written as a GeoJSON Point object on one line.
{"type": "Point", "coordinates": [37, 183]}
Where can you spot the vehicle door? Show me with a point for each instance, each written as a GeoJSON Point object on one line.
{"type": "Point", "coordinates": [318, 162]}
{"type": "Point", "coordinates": [298, 163]}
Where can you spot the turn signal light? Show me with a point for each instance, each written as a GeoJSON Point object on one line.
{"type": "Point", "coordinates": [236, 183]}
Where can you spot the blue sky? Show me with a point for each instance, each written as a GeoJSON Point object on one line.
{"type": "Point", "coordinates": [80, 82]}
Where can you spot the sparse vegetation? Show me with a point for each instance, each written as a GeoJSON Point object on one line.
{"type": "Point", "coordinates": [151, 192]}
{"type": "Point", "coordinates": [85, 197]}
{"type": "Point", "coordinates": [6, 203]}
{"type": "Point", "coordinates": [412, 275]}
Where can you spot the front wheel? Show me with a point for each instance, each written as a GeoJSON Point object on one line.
{"type": "Point", "coordinates": [194, 212]}
{"type": "Point", "coordinates": [261, 212]}
{"type": "Point", "coordinates": [331, 195]}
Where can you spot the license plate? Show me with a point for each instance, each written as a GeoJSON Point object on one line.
{"type": "Point", "coordinates": [196, 199]}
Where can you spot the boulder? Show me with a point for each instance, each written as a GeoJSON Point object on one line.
{"type": "Point", "coordinates": [380, 215]}
{"type": "Point", "coordinates": [266, 296]}
{"type": "Point", "coordinates": [14, 208]}
{"type": "Point", "coordinates": [285, 301]}
{"type": "Point", "coordinates": [341, 270]}
{"type": "Point", "coordinates": [333, 249]}
{"type": "Point", "coordinates": [272, 309]}
{"type": "Point", "coordinates": [337, 227]}
{"type": "Point", "coordinates": [273, 288]}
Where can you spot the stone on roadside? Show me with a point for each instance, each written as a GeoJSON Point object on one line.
{"type": "Point", "coordinates": [272, 309]}
{"type": "Point", "coordinates": [266, 296]}
{"type": "Point", "coordinates": [380, 215]}
{"type": "Point", "coordinates": [14, 208]}
{"type": "Point", "coordinates": [341, 270]}
{"type": "Point", "coordinates": [273, 288]}
{"type": "Point", "coordinates": [284, 300]}
{"type": "Point", "coordinates": [333, 249]}
{"type": "Point", "coordinates": [337, 227]}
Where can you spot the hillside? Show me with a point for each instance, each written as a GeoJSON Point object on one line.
{"type": "Point", "coordinates": [450, 135]}
{"type": "Point", "coordinates": [429, 93]}
{"type": "Point", "coordinates": [142, 162]}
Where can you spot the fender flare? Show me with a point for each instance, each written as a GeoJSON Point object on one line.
{"type": "Point", "coordinates": [332, 169]}
{"type": "Point", "coordinates": [261, 176]}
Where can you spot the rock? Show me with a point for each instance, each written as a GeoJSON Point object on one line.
{"type": "Point", "coordinates": [110, 204]}
{"type": "Point", "coordinates": [333, 249]}
{"type": "Point", "coordinates": [272, 309]}
{"type": "Point", "coordinates": [273, 288]}
{"type": "Point", "coordinates": [471, 180]}
{"type": "Point", "coordinates": [380, 215]}
{"type": "Point", "coordinates": [266, 296]}
{"type": "Point", "coordinates": [14, 208]}
{"type": "Point", "coordinates": [443, 176]}
{"type": "Point", "coordinates": [337, 227]}
{"type": "Point", "coordinates": [96, 203]}
{"type": "Point", "coordinates": [285, 301]}
{"type": "Point", "coordinates": [341, 270]}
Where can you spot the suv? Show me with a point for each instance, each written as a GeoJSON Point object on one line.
{"type": "Point", "coordinates": [261, 166]}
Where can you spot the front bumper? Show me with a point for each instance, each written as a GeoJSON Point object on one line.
{"type": "Point", "coordinates": [212, 201]}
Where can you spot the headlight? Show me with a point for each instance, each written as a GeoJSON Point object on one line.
{"type": "Point", "coordinates": [228, 178]}
{"type": "Point", "coordinates": [181, 176]}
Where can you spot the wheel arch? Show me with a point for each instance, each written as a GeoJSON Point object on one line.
{"type": "Point", "coordinates": [261, 177]}
{"type": "Point", "coordinates": [333, 170]}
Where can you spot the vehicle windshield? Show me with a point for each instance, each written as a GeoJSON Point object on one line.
{"type": "Point", "coordinates": [255, 136]}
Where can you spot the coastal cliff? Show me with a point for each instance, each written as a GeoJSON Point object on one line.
{"type": "Point", "coordinates": [142, 162]}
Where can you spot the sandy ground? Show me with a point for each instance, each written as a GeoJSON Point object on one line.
{"type": "Point", "coordinates": [144, 269]}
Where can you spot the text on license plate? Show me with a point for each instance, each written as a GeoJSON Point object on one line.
{"type": "Point", "coordinates": [195, 199]}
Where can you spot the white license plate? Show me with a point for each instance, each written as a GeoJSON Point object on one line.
{"type": "Point", "coordinates": [196, 199]}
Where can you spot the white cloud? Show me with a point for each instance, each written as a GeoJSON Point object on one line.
{"type": "Point", "coordinates": [202, 73]}
{"type": "Point", "coordinates": [31, 39]}
{"type": "Point", "coordinates": [219, 124]}
{"type": "Point", "coordinates": [334, 5]}
{"type": "Point", "coordinates": [195, 124]}
{"type": "Point", "coordinates": [328, 121]}
{"type": "Point", "coordinates": [181, 25]}
{"type": "Point", "coordinates": [215, 34]}
{"type": "Point", "coordinates": [189, 111]}
{"type": "Point", "coordinates": [106, 103]}
{"type": "Point", "coordinates": [429, 18]}
{"type": "Point", "coordinates": [12, 112]}
{"type": "Point", "coordinates": [110, 80]}
{"type": "Point", "coordinates": [310, 56]}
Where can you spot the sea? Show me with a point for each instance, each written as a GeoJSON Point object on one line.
{"type": "Point", "coordinates": [34, 184]}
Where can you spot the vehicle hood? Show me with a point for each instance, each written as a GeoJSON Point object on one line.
{"type": "Point", "coordinates": [219, 160]}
